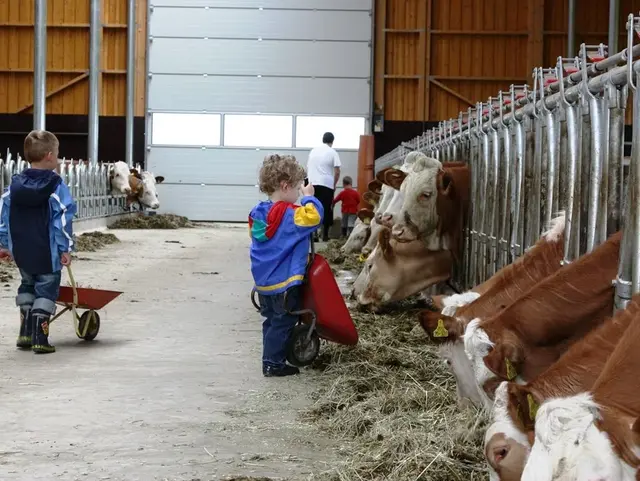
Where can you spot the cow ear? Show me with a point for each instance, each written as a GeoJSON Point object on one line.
{"type": "Point", "coordinates": [441, 328]}
{"type": "Point", "coordinates": [445, 184]}
{"type": "Point", "coordinates": [159, 179]}
{"type": "Point", "coordinates": [394, 178]}
{"type": "Point", "coordinates": [522, 405]}
{"type": "Point", "coordinates": [375, 186]}
{"type": "Point", "coordinates": [504, 360]}
{"type": "Point", "coordinates": [380, 176]}
{"type": "Point", "coordinates": [365, 215]}
{"type": "Point", "coordinates": [371, 198]}
{"type": "Point", "coordinates": [384, 240]}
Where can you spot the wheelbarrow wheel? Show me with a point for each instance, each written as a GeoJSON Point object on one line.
{"type": "Point", "coordinates": [92, 329]}
{"type": "Point", "coordinates": [303, 349]}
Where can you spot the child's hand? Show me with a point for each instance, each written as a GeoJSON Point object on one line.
{"type": "Point", "coordinates": [65, 259]}
{"type": "Point", "coordinates": [308, 190]}
{"type": "Point", "coordinates": [5, 255]}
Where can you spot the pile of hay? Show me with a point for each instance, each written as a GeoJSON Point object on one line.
{"type": "Point", "coordinates": [7, 271]}
{"type": "Point", "coordinates": [161, 221]}
{"type": "Point", "coordinates": [92, 241]}
{"type": "Point", "coordinates": [339, 259]}
{"type": "Point", "coordinates": [393, 401]}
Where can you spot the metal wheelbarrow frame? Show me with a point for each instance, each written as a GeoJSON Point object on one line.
{"type": "Point", "coordinates": [72, 298]}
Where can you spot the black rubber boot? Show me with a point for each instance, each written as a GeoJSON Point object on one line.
{"type": "Point", "coordinates": [40, 341]}
{"type": "Point", "coordinates": [286, 370]}
{"type": "Point", "coordinates": [26, 328]}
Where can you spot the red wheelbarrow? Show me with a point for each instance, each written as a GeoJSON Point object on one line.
{"type": "Point", "coordinates": [324, 314]}
{"type": "Point", "coordinates": [72, 298]}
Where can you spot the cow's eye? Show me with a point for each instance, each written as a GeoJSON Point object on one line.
{"type": "Point", "coordinates": [425, 196]}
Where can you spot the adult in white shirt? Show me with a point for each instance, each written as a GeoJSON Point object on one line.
{"type": "Point", "coordinates": [323, 171]}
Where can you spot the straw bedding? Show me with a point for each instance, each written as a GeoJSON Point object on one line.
{"type": "Point", "coordinates": [92, 241]}
{"type": "Point", "coordinates": [392, 401]}
{"type": "Point", "coordinates": [160, 221]}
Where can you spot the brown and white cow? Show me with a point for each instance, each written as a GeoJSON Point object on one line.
{"type": "Point", "coordinates": [509, 438]}
{"type": "Point", "coordinates": [528, 336]}
{"type": "Point", "coordinates": [435, 198]}
{"type": "Point", "coordinates": [119, 178]}
{"type": "Point", "coordinates": [143, 189]}
{"type": "Point", "coordinates": [396, 270]}
{"type": "Point", "coordinates": [492, 296]}
{"type": "Point", "coordinates": [593, 435]}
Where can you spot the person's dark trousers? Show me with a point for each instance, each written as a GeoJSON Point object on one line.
{"type": "Point", "coordinates": [276, 329]}
{"type": "Point", "coordinates": [325, 196]}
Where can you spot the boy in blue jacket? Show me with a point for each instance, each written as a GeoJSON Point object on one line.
{"type": "Point", "coordinates": [280, 234]}
{"type": "Point", "coordinates": [36, 215]}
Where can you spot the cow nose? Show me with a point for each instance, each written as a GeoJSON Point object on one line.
{"type": "Point", "coordinates": [397, 231]}
{"type": "Point", "coordinates": [366, 251]}
{"type": "Point", "coordinates": [387, 219]}
{"type": "Point", "coordinates": [156, 205]}
{"type": "Point", "coordinates": [127, 190]}
{"type": "Point", "coordinates": [378, 218]}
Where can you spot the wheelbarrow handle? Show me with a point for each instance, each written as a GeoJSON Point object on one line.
{"type": "Point", "coordinates": [253, 299]}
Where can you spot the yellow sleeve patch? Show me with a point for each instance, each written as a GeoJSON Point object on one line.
{"type": "Point", "coordinates": [306, 216]}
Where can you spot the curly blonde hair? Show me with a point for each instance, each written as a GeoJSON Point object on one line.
{"type": "Point", "coordinates": [277, 169]}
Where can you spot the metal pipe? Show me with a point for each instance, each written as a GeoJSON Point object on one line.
{"type": "Point", "coordinates": [40, 66]}
{"type": "Point", "coordinates": [571, 29]}
{"type": "Point", "coordinates": [614, 18]}
{"type": "Point", "coordinates": [597, 151]}
{"type": "Point", "coordinates": [372, 57]}
{"type": "Point", "coordinates": [617, 100]}
{"type": "Point", "coordinates": [517, 236]}
{"type": "Point", "coordinates": [492, 202]}
{"type": "Point", "coordinates": [131, 79]}
{"type": "Point", "coordinates": [95, 30]}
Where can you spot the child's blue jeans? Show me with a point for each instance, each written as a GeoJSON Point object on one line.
{"type": "Point", "coordinates": [278, 324]}
{"type": "Point", "coordinates": [39, 292]}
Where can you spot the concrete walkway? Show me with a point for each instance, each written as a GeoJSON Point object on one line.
{"type": "Point", "coordinates": [172, 387]}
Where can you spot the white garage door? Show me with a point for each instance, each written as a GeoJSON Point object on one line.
{"type": "Point", "coordinates": [234, 80]}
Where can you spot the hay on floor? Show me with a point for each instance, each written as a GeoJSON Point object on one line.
{"type": "Point", "coordinates": [160, 221]}
{"type": "Point", "coordinates": [92, 241]}
{"type": "Point", "coordinates": [340, 260]}
{"type": "Point", "coordinates": [393, 402]}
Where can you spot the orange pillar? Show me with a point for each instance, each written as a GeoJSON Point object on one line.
{"type": "Point", "coordinates": [365, 167]}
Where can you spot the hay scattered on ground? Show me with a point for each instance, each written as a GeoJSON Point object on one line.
{"type": "Point", "coordinates": [7, 270]}
{"type": "Point", "coordinates": [393, 401]}
{"type": "Point", "coordinates": [92, 241]}
{"type": "Point", "coordinates": [160, 221]}
{"type": "Point", "coordinates": [340, 260]}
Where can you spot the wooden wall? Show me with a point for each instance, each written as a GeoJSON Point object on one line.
{"type": "Point", "coordinates": [68, 57]}
{"type": "Point", "coordinates": [434, 58]}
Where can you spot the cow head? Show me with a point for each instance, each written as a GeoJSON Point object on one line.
{"type": "Point", "coordinates": [395, 271]}
{"type": "Point", "coordinates": [119, 178]}
{"type": "Point", "coordinates": [143, 188]}
{"type": "Point", "coordinates": [418, 215]}
{"type": "Point", "coordinates": [358, 237]}
{"type": "Point", "coordinates": [449, 332]}
{"type": "Point", "coordinates": [506, 446]}
{"type": "Point", "coordinates": [385, 198]}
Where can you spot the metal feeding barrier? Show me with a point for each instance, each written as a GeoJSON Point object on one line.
{"type": "Point", "coordinates": [89, 185]}
{"type": "Point", "coordinates": [536, 151]}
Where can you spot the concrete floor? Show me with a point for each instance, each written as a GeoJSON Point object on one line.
{"type": "Point", "coordinates": [172, 387]}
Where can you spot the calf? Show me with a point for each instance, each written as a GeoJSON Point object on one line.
{"type": "Point", "coordinates": [119, 178]}
{"type": "Point", "coordinates": [531, 334]}
{"type": "Point", "coordinates": [508, 440]}
{"type": "Point", "coordinates": [395, 271]}
{"type": "Point", "coordinates": [593, 435]}
{"type": "Point", "coordinates": [143, 189]}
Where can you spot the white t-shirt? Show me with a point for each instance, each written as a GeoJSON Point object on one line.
{"type": "Point", "coordinates": [320, 166]}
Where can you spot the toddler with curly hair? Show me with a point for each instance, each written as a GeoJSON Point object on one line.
{"type": "Point", "coordinates": [280, 232]}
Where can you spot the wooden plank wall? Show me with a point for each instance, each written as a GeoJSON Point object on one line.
{"type": "Point", "coordinates": [68, 56]}
{"type": "Point", "coordinates": [434, 58]}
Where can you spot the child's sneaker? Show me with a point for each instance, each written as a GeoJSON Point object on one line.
{"type": "Point", "coordinates": [24, 338]}
{"type": "Point", "coordinates": [286, 370]}
{"type": "Point", "coordinates": [40, 340]}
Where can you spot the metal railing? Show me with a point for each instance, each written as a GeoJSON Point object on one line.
{"type": "Point", "coordinates": [89, 185]}
{"type": "Point", "coordinates": [535, 151]}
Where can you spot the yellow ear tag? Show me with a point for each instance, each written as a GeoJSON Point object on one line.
{"type": "Point", "coordinates": [440, 331]}
{"type": "Point", "coordinates": [362, 258]}
{"type": "Point", "coordinates": [511, 371]}
{"type": "Point", "coordinates": [374, 202]}
{"type": "Point", "coordinates": [533, 407]}
{"type": "Point", "coordinates": [367, 221]}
